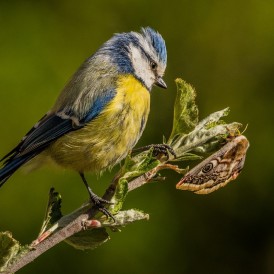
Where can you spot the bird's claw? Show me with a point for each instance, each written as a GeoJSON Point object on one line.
{"type": "Point", "coordinates": [164, 149]}
{"type": "Point", "coordinates": [158, 149]}
{"type": "Point", "coordinates": [99, 203]}
{"type": "Point", "coordinates": [98, 200]}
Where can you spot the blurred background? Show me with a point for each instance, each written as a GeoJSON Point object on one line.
{"type": "Point", "coordinates": [225, 50]}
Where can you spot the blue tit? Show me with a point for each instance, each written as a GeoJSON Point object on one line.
{"type": "Point", "coordinates": [101, 112]}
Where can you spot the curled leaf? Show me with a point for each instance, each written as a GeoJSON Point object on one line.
{"type": "Point", "coordinates": [125, 217]}
{"type": "Point", "coordinates": [88, 239]}
{"type": "Point", "coordinates": [10, 250]}
{"type": "Point", "coordinates": [185, 110]}
{"type": "Point", "coordinates": [53, 210]}
{"type": "Point", "coordinates": [9, 247]}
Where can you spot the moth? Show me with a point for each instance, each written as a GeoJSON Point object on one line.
{"type": "Point", "coordinates": [218, 169]}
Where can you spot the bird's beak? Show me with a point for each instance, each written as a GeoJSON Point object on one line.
{"type": "Point", "coordinates": [160, 82]}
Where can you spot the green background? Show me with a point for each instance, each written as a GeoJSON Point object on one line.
{"type": "Point", "coordinates": [225, 50]}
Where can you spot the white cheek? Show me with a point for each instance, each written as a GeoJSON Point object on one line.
{"type": "Point", "coordinates": [141, 67]}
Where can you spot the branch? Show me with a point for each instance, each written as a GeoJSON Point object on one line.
{"type": "Point", "coordinates": [76, 222]}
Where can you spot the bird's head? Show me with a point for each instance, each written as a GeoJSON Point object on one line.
{"type": "Point", "coordinates": [142, 54]}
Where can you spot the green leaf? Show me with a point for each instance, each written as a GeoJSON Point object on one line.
{"type": "Point", "coordinates": [53, 210]}
{"type": "Point", "coordinates": [213, 119]}
{"type": "Point", "coordinates": [119, 196]}
{"type": "Point", "coordinates": [185, 110]}
{"type": "Point", "coordinates": [139, 164]}
{"type": "Point", "coordinates": [9, 248]}
{"type": "Point", "coordinates": [206, 135]}
{"type": "Point", "coordinates": [123, 218]}
{"type": "Point", "coordinates": [188, 157]}
{"type": "Point", "coordinates": [201, 137]}
{"type": "Point", "coordinates": [88, 239]}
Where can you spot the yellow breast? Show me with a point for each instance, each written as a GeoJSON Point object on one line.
{"type": "Point", "coordinates": [107, 139]}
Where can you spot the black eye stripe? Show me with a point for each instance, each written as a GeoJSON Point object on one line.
{"type": "Point", "coordinates": [152, 62]}
{"type": "Point", "coordinates": [153, 65]}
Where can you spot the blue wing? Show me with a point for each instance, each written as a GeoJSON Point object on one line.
{"type": "Point", "coordinates": [51, 127]}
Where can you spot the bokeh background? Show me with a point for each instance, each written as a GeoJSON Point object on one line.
{"type": "Point", "coordinates": [225, 50]}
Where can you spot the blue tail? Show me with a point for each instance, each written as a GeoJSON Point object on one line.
{"type": "Point", "coordinates": [51, 127]}
{"type": "Point", "coordinates": [12, 165]}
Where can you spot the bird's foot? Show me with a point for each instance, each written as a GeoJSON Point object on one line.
{"type": "Point", "coordinates": [99, 203]}
{"type": "Point", "coordinates": [164, 149]}
{"type": "Point", "coordinates": [158, 150]}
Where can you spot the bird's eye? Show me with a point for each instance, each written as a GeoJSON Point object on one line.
{"type": "Point", "coordinates": [153, 65]}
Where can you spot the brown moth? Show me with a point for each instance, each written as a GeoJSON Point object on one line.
{"type": "Point", "coordinates": [218, 169]}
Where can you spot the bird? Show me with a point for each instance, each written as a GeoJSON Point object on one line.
{"type": "Point", "coordinates": [101, 112]}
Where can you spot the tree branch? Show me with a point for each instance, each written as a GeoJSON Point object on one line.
{"type": "Point", "coordinates": [76, 222]}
